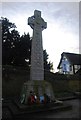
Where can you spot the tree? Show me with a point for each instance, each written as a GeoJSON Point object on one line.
{"type": "Point", "coordinates": [47, 65]}
{"type": "Point", "coordinates": [22, 51]}
{"type": "Point", "coordinates": [9, 37]}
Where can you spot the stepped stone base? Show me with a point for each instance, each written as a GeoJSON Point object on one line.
{"type": "Point", "coordinates": [16, 110]}
{"type": "Point", "coordinates": [39, 87]}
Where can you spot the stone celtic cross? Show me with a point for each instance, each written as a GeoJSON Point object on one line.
{"type": "Point", "coordinates": [37, 65]}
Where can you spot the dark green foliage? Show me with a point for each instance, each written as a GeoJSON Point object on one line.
{"type": "Point", "coordinates": [22, 51]}
{"type": "Point", "coordinates": [9, 38]}
{"type": "Point", "coordinates": [47, 65]}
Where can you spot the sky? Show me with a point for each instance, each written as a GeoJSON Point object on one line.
{"type": "Point", "coordinates": [62, 32]}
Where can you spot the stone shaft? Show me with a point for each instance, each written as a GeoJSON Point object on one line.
{"type": "Point", "coordinates": [37, 65]}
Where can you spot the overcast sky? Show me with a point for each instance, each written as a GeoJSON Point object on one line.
{"type": "Point", "coordinates": [62, 33]}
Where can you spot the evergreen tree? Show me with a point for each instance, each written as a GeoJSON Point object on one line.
{"type": "Point", "coordinates": [23, 51]}
{"type": "Point", "coordinates": [9, 37]}
{"type": "Point", "coordinates": [47, 65]}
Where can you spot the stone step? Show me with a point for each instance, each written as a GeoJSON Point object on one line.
{"type": "Point", "coordinates": [15, 110]}
{"type": "Point", "coordinates": [40, 111]}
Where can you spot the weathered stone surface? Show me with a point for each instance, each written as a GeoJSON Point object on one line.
{"type": "Point", "coordinates": [38, 87]}
{"type": "Point", "coordinates": [37, 66]}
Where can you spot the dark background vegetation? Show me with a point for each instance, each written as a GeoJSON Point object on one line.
{"type": "Point", "coordinates": [14, 78]}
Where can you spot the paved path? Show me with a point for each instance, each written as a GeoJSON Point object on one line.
{"type": "Point", "coordinates": [73, 113]}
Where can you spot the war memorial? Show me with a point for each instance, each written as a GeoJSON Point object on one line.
{"type": "Point", "coordinates": [37, 84]}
